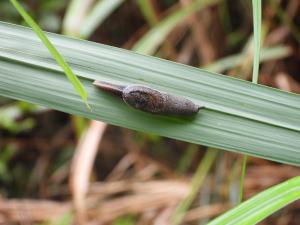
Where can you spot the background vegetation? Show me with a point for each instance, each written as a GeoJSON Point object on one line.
{"type": "Point", "coordinates": [47, 156]}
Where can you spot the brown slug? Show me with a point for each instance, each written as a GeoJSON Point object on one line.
{"type": "Point", "coordinates": [150, 100]}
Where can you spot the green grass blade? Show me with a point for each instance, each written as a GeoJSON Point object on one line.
{"type": "Point", "coordinates": [262, 205]}
{"type": "Point", "coordinates": [99, 13]}
{"type": "Point", "coordinates": [60, 60]}
{"type": "Point", "coordinates": [256, 4]}
{"type": "Point", "coordinates": [150, 41]}
{"type": "Point", "coordinates": [239, 116]}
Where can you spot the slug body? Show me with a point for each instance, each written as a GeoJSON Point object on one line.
{"type": "Point", "coordinates": [150, 100]}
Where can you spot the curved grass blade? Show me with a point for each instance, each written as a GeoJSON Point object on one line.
{"type": "Point", "coordinates": [60, 60]}
{"type": "Point", "coordinates": [262, 205]}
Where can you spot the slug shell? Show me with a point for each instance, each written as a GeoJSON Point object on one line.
{"type": "Point", "coordinates": [151, 100]}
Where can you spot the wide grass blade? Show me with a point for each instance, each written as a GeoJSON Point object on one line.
{"type": "Point", "coordinates": [238, 116]}
{"type": "Point", "coordinates": [262, 205]}
{"type": "Point", "coordinates": [60, 60]}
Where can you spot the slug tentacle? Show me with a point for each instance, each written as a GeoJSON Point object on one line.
{"type": "Point", "coordinates": [112, 89]}
{"type": "Point", "coordinates": [151, 100]}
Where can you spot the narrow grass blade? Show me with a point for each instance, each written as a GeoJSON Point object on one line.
{"type": "Point", "coordinates": [256, 4]}
{"type": "Point", "coordinates": [60, 60]}
{"type": "Point", "coordinates": [262, 205]}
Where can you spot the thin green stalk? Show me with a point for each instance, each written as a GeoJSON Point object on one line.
{"type": "Point", "coordinates": [60, 60]}
{"type": "Point", "coordinates": [256, 4]}
{"type": "Point", "coordinates": [197, 181]}
{"type": "Point", "coordinates": [244, 168]}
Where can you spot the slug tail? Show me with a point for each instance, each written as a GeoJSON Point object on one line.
{"type": "Point", "coordinates": [200, 107]}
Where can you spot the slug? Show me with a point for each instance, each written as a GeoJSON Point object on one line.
{"type": "Point", "coordinates": [150, 100]}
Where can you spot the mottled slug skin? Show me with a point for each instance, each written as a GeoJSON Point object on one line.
{"type": "Point", "coordinates": [153, 101]}
{"type": "Point", "coordinates": [144, 98]}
